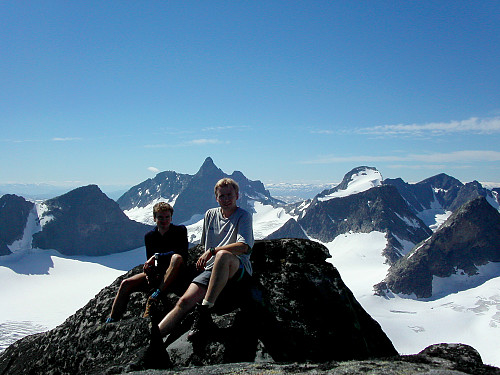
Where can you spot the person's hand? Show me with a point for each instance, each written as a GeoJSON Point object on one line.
{"type": "Point", "coordinates": [203, 259]}
{"type": "Point", "coordinates": [149, 263]}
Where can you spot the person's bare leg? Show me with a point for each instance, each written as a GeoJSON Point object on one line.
{"type": "Point", "coordinates": [172, 271]}
{"type": "Point", "coordinates": [225, 266]}
{"type": "Point", "coordinates": [193, 295]}
{"type": "Point", "coordinates": [127, 287]}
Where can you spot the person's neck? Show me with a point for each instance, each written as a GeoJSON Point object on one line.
{"type": "Point", "coordinates": [227, 213]}
{"type": "Point", "coordinates": [163, 231]}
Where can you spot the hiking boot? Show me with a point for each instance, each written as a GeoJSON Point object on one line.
{"type": "Point", "coordinates": [155, 356]}
{"type": "Point", "coordinates": [151, 306]}
{"type": "Point", "coordinates": [203, 324]}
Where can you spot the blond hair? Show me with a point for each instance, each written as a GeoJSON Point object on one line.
{"type": "Point", "coordinates": [227, 182]}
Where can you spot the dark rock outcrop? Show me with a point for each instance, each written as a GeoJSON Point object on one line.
{"type": "Point", "coordinates": [468, 239]}
{"type": "Point", "coordinates": [468, 192]}
{"type": "Point", "coordinates": [86, 222]}
{"type": "Point", "coordinates": [14, 212]}
{"type": "Point", "coordinates": [296, 309]}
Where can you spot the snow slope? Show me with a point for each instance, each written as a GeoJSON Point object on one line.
{"type": "Point", "coordinates": [41, 288]}
{"type": "Point", "coordinates": [362, 181]}
{"type": "Point", "coordinates": [471, 316]}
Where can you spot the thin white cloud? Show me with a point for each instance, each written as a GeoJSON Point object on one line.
{"type": "Point", "coordinates": [67, 139]}
{"type": "Point", "coordinates": [465, 156]}
{"type": "Point", "coordinates": [458, 156]}
{"type": "Point", "coordinates": [228, 127]}
{"type": "Point", "coordinates": [153, 169]}
{"type": "Point", "coordinates": [205, 141]}
{"type": "Point", "coordinates": [473, 125]}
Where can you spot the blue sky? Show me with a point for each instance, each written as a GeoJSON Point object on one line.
{"type": "Point", "coordinates": [111, 92]}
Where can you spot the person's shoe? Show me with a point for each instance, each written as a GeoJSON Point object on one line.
{"type": "Point", "coordinates": [150, 307]}
{"type": "Point", "coordinates": [203, 324]}
{"type": "Point", "coordinates": [155, 356]}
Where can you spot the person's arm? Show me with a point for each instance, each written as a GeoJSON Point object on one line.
{"type": "Point", "coordinates": [149, 247]}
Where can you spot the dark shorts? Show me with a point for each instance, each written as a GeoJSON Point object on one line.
{"type": "Point", "coordinates": [204, 277]}
{"type": "Point", "coordinates": [155, 276]}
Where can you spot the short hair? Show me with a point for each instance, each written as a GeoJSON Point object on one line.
{"type": "Point", "coordinates": [226, 182]}
{"type": "Point", "coordinates": [161, 207]}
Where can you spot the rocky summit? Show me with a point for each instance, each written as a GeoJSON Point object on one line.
{"type": "Point", "coordinates": [295, 309]}
{"type": "Point", "coordinates": [295, 316]}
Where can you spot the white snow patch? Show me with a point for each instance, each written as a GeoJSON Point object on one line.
{"type": "Point", "coordinates": [267, 219]}
{"type": "Point", "coordinates": [410, 222]}
{"type": "Point", "coordinates": [360, 182]}
{"type": "Point", "coordinates": [407, 245]}
{"type": "Point", "coordinates": [32, 226]}
{"type": "Point", "coordinates": [41, 209]}
{"type": "Point", "coordinates": [434, 216]}
{"type": "Point", "coordinates": [493, 200]}
{"type": "Point", "coordinates": [145, 214]}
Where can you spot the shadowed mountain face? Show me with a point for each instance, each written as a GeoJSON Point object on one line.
{"type": "Point", "coordinates": [468, 239]}
{"type": "Point", "coordinates": [14, 212]}
{"type": "Point", "coordinates": [86, 222]}
{"type": "Point", "coordinates": [441, 190]}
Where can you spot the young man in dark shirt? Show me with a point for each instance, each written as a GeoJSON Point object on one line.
{"type": "Point", "coordinates": [166, 252]}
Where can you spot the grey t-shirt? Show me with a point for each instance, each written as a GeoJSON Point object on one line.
{"type": "Point", "coordinates": [219, 231]}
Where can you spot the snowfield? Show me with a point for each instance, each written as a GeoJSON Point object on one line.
{"type": "Point", "coordinates": [469, 316]}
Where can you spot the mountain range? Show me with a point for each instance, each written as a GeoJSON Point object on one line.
{"type": "Point", "coordinates": [435, 232]}
{"type": "Point", "coordinates": [86, 222]}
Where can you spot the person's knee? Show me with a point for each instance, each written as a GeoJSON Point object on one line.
{"type": "Point", "coordinates": [176, 261]}
{"type": "Point", "coordinates": [125, 285]}
{"type": "Point", "coordinates": [226, 258]}
{"type": "Point", "coordinates": [130, 285]}
{"type": "Point", "coordinates": [185, 303]}
{"type": "Point", "coordinates": [223, 255]}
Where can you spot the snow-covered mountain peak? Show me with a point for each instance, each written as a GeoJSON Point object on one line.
{"type": "Point", "coordinates": [356, 181]}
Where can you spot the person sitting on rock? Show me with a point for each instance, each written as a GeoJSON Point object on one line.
{"type": "Point", "coordinates": [166, 253]}
{"type": "Point", "coordinates": [227, 238]}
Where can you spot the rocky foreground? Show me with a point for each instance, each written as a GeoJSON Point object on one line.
{"type": "Point", "coordinates": [297, 316]}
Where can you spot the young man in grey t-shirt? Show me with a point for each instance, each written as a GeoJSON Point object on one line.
{"type": "Point", "coordinates": [228, 240]}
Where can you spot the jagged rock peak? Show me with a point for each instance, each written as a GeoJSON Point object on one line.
{"type": "Point", "coordinates": [208, 168]}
